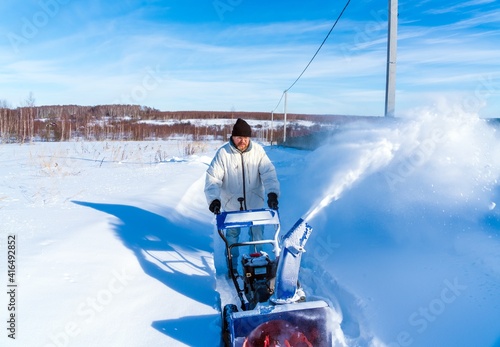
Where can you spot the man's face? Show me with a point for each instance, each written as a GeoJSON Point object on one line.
{"type": "Point", "coordinates": [241, 142]}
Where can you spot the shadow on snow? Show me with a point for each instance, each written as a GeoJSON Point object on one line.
{"type": "Point", "coordinates": [192, 330]}
{"type": "Point", "coordinates": [173, 252]}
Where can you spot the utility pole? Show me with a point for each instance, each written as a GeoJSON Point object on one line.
{"type": "Point", "coordinates": [272, 126]}
{"type": "Point", "coordinates": [392, 37]}
{"type": "Point", "coordinates": [284, 118]}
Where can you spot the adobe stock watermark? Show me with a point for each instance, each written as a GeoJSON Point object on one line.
{"type": "Point", "coordinates": [223, 6]}
{"type": "Point", "coordinates": [324, 248]}
{"type": "Point", "coordinates": [406, 167]}
{"type": "Point", "coordinates": [31, 26]}
{"type": "Point", "coordinates": [485, 88]}
{"type": "Point", "coordinates": [470, 105]}
{"type": "Point", "coordinates": [87, 310]}
{"type": "Point", "coordinates": [424, 316]}
{"type": "Point", "coordinates": [370, 32]}
{"type": "Point", "coordinates": [151, 80]}
{"type": "Point", "coordinates": [320, 254]}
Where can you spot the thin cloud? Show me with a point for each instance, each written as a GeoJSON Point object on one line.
{"type": "Point", "coordinates": [459, 6]}
{"type": "Point", "coordinates": [491, 17]}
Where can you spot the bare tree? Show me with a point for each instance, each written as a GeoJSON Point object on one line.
{"type": "Point", "coordinates": [30, 100]}
{"type": "Point", "coordinates": [4, 121]}
{"type": "Point", "coordinates": [27, 118]}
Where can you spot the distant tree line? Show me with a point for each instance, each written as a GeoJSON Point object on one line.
{"type": "Point", "coordinates": [133, 122]}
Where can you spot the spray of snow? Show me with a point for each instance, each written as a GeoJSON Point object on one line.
{"type": "Point", "coordinates": [368, 158]}
{"type": "Point", "coordinates": [442, 153]}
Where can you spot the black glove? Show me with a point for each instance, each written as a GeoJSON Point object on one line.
{"type": "Point", "coordinates": [215, 206]}
{"type": "Point", "coordinates": [272, 201]}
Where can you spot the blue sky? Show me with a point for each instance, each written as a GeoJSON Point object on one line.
{"type": "Point", "coordinates": [242, 54]}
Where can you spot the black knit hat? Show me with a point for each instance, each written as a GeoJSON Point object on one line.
{"type": "Point", "coordinates": [241, 128]}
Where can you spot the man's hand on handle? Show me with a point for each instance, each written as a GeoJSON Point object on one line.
{"type": "Point", "coordinates": [272, 201]}
{"type": "Point", "coordinates": [215, 206]}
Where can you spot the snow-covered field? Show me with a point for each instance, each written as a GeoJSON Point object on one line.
{"type": "Point", "coordinates": [115, 244]}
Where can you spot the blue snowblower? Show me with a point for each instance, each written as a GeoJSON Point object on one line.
{"type": "Point", "coordinates": [273, 307]}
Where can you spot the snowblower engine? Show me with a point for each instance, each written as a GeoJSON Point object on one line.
{"type": "Point", "coordinates": [259, 272]}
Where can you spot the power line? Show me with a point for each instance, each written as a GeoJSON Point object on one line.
{"type": "Point", "coordinates": [322, 43]}
{"type": "Point", "coordinates": [279, 102]}
{"type": "Point", "coordinates": [314, 56]}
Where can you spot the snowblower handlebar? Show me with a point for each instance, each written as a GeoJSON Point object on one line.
{"type": "Point", "coordinates": [247, 218]}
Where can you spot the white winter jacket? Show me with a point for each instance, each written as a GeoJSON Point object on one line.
{"type": "Point", "coordinates": [233, 174]}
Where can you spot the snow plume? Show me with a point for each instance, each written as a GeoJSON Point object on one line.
{"type": "Point", "coordinates": [448, 163]}
{"type": "Point", "coordinates": [431, 157]}
{"type": "Point", "coordinates": [452, 152]}
{"type": "Point", "coordinates": [353, 155]}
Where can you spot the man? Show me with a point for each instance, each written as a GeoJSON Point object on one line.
{"type": "Point", "coordinates": [238, 177]}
